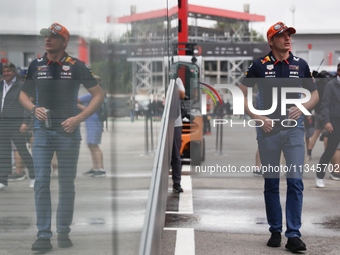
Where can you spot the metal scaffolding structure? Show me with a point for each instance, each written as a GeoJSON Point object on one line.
{"type": "Point", "coordinates": [226, 48]}
{"type": "Point", "coordinates": [215, 70]}
{"type": "Point", "coordinates": [146, 80]}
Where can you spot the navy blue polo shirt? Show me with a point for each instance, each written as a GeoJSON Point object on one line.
{"type": "Point", "coordinates": [55, 85]}
{"type": "Point", "coordinates": [293, 72]}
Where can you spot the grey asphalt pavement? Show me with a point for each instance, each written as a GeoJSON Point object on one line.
{"type": "Point", "coordinates": [228, 208]}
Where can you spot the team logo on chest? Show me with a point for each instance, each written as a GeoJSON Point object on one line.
{"type": "Point", "coordinates": [269, 73]}
{"type": "Point", "coordinates": [66, 75]}
{"type": "Point", "coordinates": [270, 67]}
{"type": "Point", "coordinates": [293, 71]}
{"type": "Point", "coordinates": [293, 68]}
{"type": "Point", "coordinates": [66, 68]}
{"type": "Point", "coordinates": [43, 72]}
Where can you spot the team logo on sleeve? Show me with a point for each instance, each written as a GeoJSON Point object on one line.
{"type": "Point", "coordinates": [266, 59]}
{"type": "Point", "coordinates": [246, 73]}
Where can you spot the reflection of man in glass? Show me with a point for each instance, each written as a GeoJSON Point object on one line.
{"type": "Point", "coordinates": [53, 81]}
{"type": "Point", "coordinates": [274, 138]}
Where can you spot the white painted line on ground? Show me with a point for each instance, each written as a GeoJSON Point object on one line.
{"type": "Point", "coordinates": [185, 198]}
{"type": "Point", "coordinates": [185, 168]}
{"type": "Point", "coordinates": [173, 212]}
{"type": "Point", "coordinates": [185, 237]}
{"type": "Point", "coordinates": [130, 175]}
{"type": "Point", "coordinates": [185, 241]}
{"type": "Point", "coordinates": [170, 229]}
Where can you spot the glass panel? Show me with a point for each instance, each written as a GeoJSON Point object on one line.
{"type": "Point", "coordinates": [127, 57]}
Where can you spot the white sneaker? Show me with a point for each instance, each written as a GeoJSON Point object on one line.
{"type": "Point", "coordinates": [3, 186]}
{"type": "Point", "coordinates": [319, 183]}
{"type": "Point", "coordinates": [32, 183]}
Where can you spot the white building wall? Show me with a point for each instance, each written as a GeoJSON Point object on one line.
{"type": "Point", "coordinates": [317, 47]}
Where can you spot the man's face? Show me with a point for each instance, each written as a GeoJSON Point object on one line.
{"type": "Point", "coordinates": [55, 43]}
{"type": "Point", "coordinates": [8, 74]}
{"type": "Point", "coordinates": [281, 42]}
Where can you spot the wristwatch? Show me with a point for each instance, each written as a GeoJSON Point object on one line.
{"type": "Point", "coordinates": [33, 110]}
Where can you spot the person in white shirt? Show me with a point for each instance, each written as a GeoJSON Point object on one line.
{"type": "Point", "coordinates": [176, 163]}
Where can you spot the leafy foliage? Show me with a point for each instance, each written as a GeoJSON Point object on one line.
{"type": "Point", "coordinates": [116, 76]}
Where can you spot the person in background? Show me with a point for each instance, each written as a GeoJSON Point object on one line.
{"type": "Point", "coordinates": [176, 162]}
{"type": "Point", "coordinates": [131, 104]}
{"type": "Point", "coordinates": [19, 172]}
{"type": "Point", "coordinates": [228, 109]}
{"type": "Point", "coordinates": [207, 117]}
{"type": "Point", "coordinates": [335, 161]}
{"type": "Point", "coordinates": [136, 109]}
{"type": "Point", "coordinates": [331, 118]}
{"type": "Point", "coordinates": [308, 123]}
{"type": "Point", "coordinates": [18, 164]}
{"type": "Point", "coordinates": [94, 130]}
{"type": "Point", "coordinates": [257, 171]}
{"type": "Point", "coordinates": [321, 79]}
{"type": "Point", "coordinates": [13, 126]}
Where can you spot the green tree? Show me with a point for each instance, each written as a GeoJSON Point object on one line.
{"type": "Point", "coordinates": [231, 27]}
{"type": "Point", "coordinates": [116, 76]}
{"type": "Point", "coordinates": [256, 36]}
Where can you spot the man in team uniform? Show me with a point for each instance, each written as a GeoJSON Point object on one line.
{"type": "Point", "coordinates": [275, 136]}
{"type": "Point", "coordinates": [53, 81]}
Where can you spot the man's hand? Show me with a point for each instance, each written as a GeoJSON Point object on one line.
{"type": "Point", "coordinates": [268, 123]}
{"type": "Point", "coordinates": [294, 113]}
{"type": "Point", "coordinates": [40, 113]}
{"type": "Point", "coordinates": [23, 128]}
{"type": "Point", "coordinates": [329, 127]}
{"type": "Point", "coordinates": [70, 124]}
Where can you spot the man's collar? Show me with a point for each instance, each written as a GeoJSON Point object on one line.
{"type": "Point", "coordinates": [60, 62]}
{"type": "Point", "coordinates": [11, 82]}
{"type": "Point", "coordinates": [272, 58]}
{"type": "Point", "coordinates": [288, 60]}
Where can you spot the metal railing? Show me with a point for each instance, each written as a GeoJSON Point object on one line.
{"type": "Point", "coordinates": [152, 232]}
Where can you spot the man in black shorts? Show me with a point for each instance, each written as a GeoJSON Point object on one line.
{"type": "Point", "coordinates": [331, 118]}
{"type": "Point", "coordinates": [53, 81]}
{"type": "Point", "coordinates": [321, 80]}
